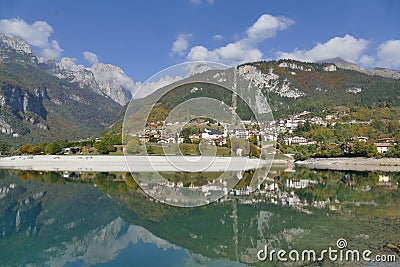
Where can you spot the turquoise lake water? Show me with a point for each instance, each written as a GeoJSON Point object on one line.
{"type": "Point", "coordinates": [48, 219]}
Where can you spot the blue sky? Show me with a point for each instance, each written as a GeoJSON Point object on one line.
{"type": "Point", "coordinates": [144, 37]}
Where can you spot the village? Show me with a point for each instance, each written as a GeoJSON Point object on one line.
{"type": "Point", "coordinates": [282, 131]}
{"type": "Point", "coordinates": [286, 128]}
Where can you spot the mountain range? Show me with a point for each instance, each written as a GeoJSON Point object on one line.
{"type": "Point", "coordinates": [289, 86]}
{"type": "Point", "coordinates": [43, 100]}
{"type": "Point", "coordinates": [384, 72]}
{"type": "Point", "coordinates": [38, 104]}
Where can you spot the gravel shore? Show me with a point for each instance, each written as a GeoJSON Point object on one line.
{"type": "Point", "coordinates": [136, 163]}
{"type": "Point", "coordinates": [352, 164]}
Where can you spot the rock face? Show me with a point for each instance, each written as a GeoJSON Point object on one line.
{"type": "Point", "coordinates": [33, 102]}
{"type": "Point", "coordinates": [104, 79]}
{"type": "Point", "coordinates": [28, 105]}
{"type": "Point", "coordinates": [113, 82]}
{"type": "Point", "coordinates": [270, 81]}
{"type": "Point", "coordinates": [343, 64]}
{"type": "Point", "coordinates": [68, 69]}
{"type": "Point", "coordinates": [15, 49]}
{"type": "Point", "coordinates": [16, 43]}
{"type": "Point", "coordinates": [22, 101]}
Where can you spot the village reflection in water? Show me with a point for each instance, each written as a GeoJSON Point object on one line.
{"type": "Point", "coordinates": [281, 185]}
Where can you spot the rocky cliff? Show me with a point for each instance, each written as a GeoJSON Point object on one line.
{"type": "Point", "coordinates": [104, 79]}
{"type": "Point", "coordinates": [37, 106]}
{"type": "Point", "coordinates": [15, 49]}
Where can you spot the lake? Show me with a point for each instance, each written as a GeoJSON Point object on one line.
{"type": "Point", "coordinates": [102, 219]}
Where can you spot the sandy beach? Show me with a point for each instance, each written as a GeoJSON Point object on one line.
{"type": "Point", "coordinates": [352, 164]}
{"type": "Point", "coordinates": [136, 164]}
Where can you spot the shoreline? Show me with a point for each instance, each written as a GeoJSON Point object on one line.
{"type": "Point", "coordinates": [106, 163]}
{"type": "Point", "coordinates": [101, 163]}
{"type": "Point", "coordinates": [352, 164]}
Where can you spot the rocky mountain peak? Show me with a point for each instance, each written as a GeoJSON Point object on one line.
{"type": "Point", "coordinates": [113, 82]}
{"type": "Point", "coordinates": [104, 79]}
{"type": "Point", "coordinates": [68, 69]}
{"type": "Point", "coordinates": [15, 49]}
{"type": "Point", "coordinates": [16, 43]}
{"type": "Point", "coordinates": [69, 64]}
{"type": "Point", "coordinates": [384, 72]}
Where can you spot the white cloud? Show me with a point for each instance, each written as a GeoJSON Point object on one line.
{"type": "Point", "coordinates": [241, 50]}
{"type": "Point", "coordinates": [218, 37]}
{"type": "Point", "coordinates": [267, 26]}
{"type": "Point", "coordinates": [367, 60]}
{"type": "Point", "coordinates": [347, 48]}
{"type": "Point", "coordinates": [210, 2]}
{"type": "Point", "coordinates": [51, 52]}
{"type": "Point", "coordinates": [90, 57]}
{"type": "Point", "coordinates": [181, 44]}
{"type": "Point", "coordinates": [389, 54]}
{"type": "Point", "coordinates": [245, 49]}
{"type": "Point", "coordinates": [202, 53]}
{"type": "Point", "coordinates": [232, 53]}
{"type": "Point", "coordinates": [36, 34]}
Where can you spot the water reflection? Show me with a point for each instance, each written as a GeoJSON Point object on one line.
{"type": "Point", "coordinates": [76, 219]}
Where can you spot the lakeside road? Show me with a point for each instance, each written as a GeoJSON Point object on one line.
{"type": "Point", "coordinates": [136, 163]}
{"type": "Point", "coordinates": [352, 164]}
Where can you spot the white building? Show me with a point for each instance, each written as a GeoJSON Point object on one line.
{"type": "Point", "coordinates": [211, 134]}
{"type": "Point", "coordinates": [241, 133]}
{"type": "Point", "coordinates": [295, 140]}
{"type": "Point", "coordinates": [299, 184]}
{"type": "Point", "coordinates": [382, 147]}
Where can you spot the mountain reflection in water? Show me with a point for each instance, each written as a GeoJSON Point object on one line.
{"type": "Point", "coordinates": [101, 219]}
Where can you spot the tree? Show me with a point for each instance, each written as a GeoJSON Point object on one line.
{"type": "Point", "coordinates": [49, 148]}
{"type": "Point", "coordinates": [115, 139]}
{"type": "Point", "coordinates": [150, 150]}
{"type": "Point", "coordinates": [371, 150]}
{"type": "Point", "coordinates": [25, 149]}
{"type": "Point", "coordinates": [364, 149]}
{"type": "Point", "coordinates": [133, 146]}
{"type": "Point", "coordinates": [85, 150]}
{"type": "Point", "coordinates": [107, 143]}
{"type": "Point", "coordinates": [42, 147]}
{"type": "Point", "coordinates": [186, 139]}
{"type": "Point", "coordinates": [102, 147]}
{"type": "Point", "coordinates": [253, 140]}
{"type": "Point", "coordinates": [4, 149]}
{"type": "Point", "coordinates": [359, 148]}
{"type": "Point", "coordinates": [53, 148]}
{"type": "Point", "coordinates": [228, 143]}
{"type": "Point", "coordinates": [35, 150]}
{"type": "Point", "coordinates": [254, 151]}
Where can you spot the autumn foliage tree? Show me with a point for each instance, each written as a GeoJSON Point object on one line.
{"type": "Point", "coordinates": [25, 149]}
